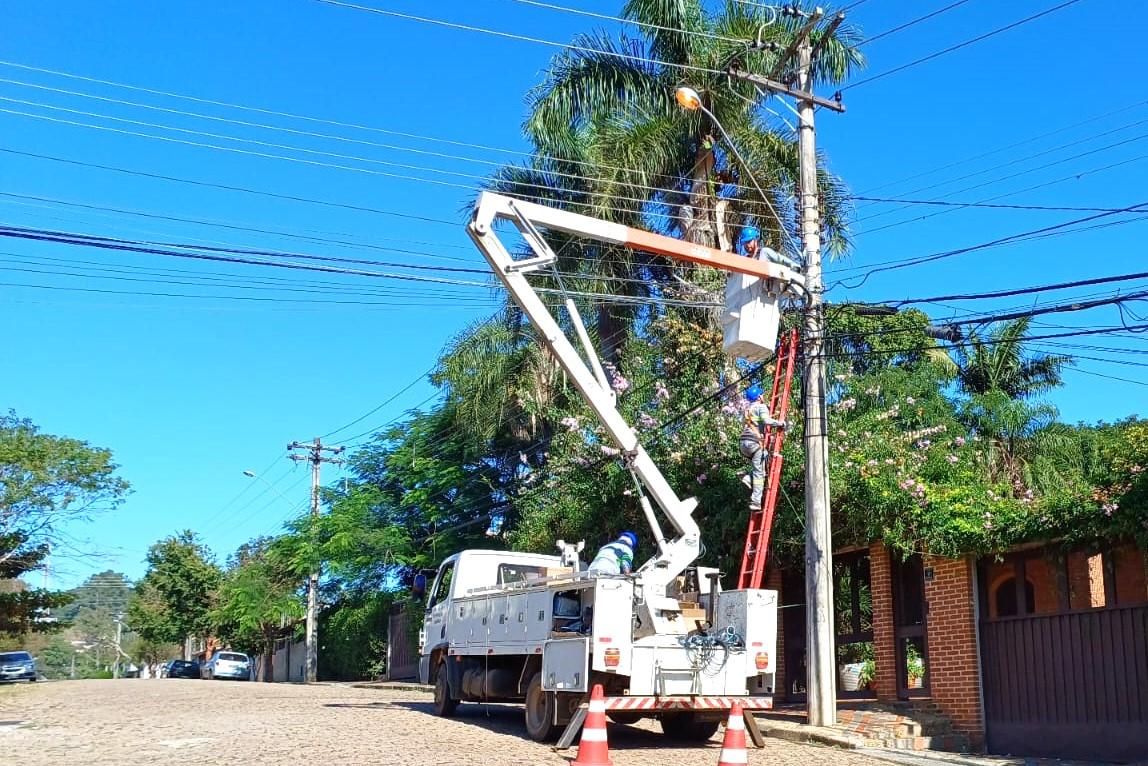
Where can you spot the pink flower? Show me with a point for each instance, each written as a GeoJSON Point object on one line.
{"type": "Point", "coordinates": [609, 450]}
{"type": "Point", "coordinates": [645, 421]}
{"type": "Point", "coordinates": [959, 441]}
{"type": "Point", "coordinates": [571, 423]}
{"type": "Point", "coordinates": [702, 478]}
{"type": "Point", "coordinates": [660, 391]}
{"type": "Point", "coordinates": [1109, 508]}
{"type": "Point", "coordinates": [952, 458]}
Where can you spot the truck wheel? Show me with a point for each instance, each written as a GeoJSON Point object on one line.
{"type": "Point", "coordinates": [688, 727]}
{"type": "Point", "coordinates": [444, 705]}
{"type": "Point", "coordinates": [540, 707]}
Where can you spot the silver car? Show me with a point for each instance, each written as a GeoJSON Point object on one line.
{"type": "Point", "coordinates": [225, 664]}
{"type": "Point", "coordinates": [17, 666]}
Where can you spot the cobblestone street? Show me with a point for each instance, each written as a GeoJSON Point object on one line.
{"type": "Point", "coordinates": [134, 722]}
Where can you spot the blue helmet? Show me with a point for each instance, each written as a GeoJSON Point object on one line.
{"type": "Point", "coordinates": [748, 234]}
{"type": "Point", "coordinates": [753, 393]}
{"type": "Point", "coordinates": [630, 539]}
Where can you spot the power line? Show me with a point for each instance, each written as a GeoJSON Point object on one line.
{"type": "Point", "coordinates": [632, 22]}
{"type": "Point", "coordinates": [912, 23]}
{"type": "Point", "coordinates": [989, 205]}
{"type": "Point", "coordinates": [900, 264]}
{"type": "Point", "coordinates": [522, 38]}
{"type": "Point", "coordinates": [951, 48]}
{"type": "Point", "coordinates": [1020, 160]}
{"type": "Point", "coordinates": [1014, 145]}
{"type": "Point", "coordinates": [1024, 290]}
{"type": "Point", "coordinates": [227, 187]}
{"type": "Point", "coordinates": [195, 253]}
{"type": "Point", "coordinates": [294, 116]}
{"type": "Point", "coordinates": [141, 123]}
{"type": "Point", "coordinates": [389, 399]}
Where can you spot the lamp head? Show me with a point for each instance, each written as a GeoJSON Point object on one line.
{"type": "Point", "coordinates": [688, 98]}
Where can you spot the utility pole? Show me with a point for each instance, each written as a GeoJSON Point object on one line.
{"type": "Point", "coordinates": [314, 455]}
{"type": "Point", "coordinates": [119, 638]}
{"type": "Point", "coordinates": [821, 692]}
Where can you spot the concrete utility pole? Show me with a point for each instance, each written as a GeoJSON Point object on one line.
{"type": "Point", "coordinates": [314, 455]}
{"type": "Point", "coordinates": [821, 691]}
{"type": "Point", "coordinates": [821, 665]}
{"type": "Point", "coordinates": [119, 651]}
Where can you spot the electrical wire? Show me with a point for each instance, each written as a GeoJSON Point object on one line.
{"type": "Point", "coordinates": [387, 401]}
{"type": "Point", "coordinates": [904, 263]}
{"type": "Point", "coordinates": [912, 23]}
{"type": "Point", "coordinates": [951, 48]}
{"type": "Point", "coordinates": [522, 38]}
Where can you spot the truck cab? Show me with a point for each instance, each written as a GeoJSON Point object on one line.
{"type": "Point", "coordinates": [461, 574]}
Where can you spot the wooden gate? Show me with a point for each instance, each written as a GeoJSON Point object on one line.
{"type": "Point", "coordinates": [402, 649]}
{"type": "Point", "coordinates": [1064, 684]}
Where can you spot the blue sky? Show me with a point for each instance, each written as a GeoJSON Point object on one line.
{"type": "Point", "coordinates": [190, 391]}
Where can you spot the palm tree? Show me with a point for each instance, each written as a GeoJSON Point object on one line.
{"type": "Point", "coordinates": [1000, 362]}
{"type": "Point", "coordinates": [1002, 380]}
{"type": "Point", "coordinates": [605, 113]}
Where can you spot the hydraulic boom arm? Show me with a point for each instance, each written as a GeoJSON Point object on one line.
{"type": "Point", "coordinates": [673, 555]}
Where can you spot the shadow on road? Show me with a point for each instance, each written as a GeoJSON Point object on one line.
{"type": "Point", "coordinates": [508, 719]}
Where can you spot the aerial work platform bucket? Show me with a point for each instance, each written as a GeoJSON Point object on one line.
{"type": "Point", "coordinates": [751, 317]}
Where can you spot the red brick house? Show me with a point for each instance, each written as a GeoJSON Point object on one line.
{"type": "Point", "coordinates": [1036, 652]}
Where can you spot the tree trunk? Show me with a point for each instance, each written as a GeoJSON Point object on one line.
{"type": "Point", "coordinates": [700, 228]}
{"type": "Point", "coordinates": [268, 659]}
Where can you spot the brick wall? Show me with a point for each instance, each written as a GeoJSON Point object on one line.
{"type": "Point", "coordinates": [881, 588]}
{"type": "Point", "coordinates": [773, 582]}
{"type": "Point", "coordinates": [953, 662]}
{"type": "Point", "coordinates": [1131, 569]}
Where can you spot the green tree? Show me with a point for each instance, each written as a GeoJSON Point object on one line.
{"type": "Point", "coordinates": [259, 602]}
{"type": "Point", "coordinates": [46, 483]}
{"type": "Point", "coordinates": [107, 591]}
{"type": "Point", "coordinates": [173, 601]}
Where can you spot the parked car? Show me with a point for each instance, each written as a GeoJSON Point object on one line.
{"type": "Point", "coordinates": [225, 664]}
{"type": "Point", "coordinates": [181, 669]}
{"type": "Point", "coordinates": [17, 666]}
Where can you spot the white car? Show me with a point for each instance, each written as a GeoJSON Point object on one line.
{"type": "Point", "coordinates": [227, 664]}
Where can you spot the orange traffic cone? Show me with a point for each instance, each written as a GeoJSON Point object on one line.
{"type": "Point", "coordinates": [592, 748]}
{"type": "Point", "coordinates": [733, 751]}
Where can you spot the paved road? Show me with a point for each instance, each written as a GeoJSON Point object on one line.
{"type": "Point", "coordinates": [211, 723]}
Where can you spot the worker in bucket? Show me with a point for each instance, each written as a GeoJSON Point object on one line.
{"type": "Point", "coordinates": [749, 243]}
{"type": "Point", "coordinates": [616, 557]}
{"type": "Point", "coordinates": [751, 444]}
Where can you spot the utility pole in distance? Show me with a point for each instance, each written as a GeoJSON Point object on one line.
{"type": "Point", "coordinates": [314, 455]}
{"type": "Point", "coordinates": [821, 663]}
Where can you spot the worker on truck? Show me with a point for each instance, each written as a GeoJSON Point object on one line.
{"type": "Point", "coordinates": [616, 557]}
{"type": "Point", "coordinates": [751, 443]}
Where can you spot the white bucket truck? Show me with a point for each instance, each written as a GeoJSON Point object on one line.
{"type": "Point", "coordinates": [665, 642]}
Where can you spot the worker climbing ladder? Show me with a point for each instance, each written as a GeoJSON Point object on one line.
{"type": "Point", "coordinates": [761, 519]}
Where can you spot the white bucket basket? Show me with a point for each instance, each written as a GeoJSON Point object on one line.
{"type": "Point", "coordinates": [751, 318]}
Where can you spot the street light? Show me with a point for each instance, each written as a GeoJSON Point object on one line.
{"type": "Point", "coordinates": [689, 100]}
{"type": "Point", "coordinates": [252, 475]}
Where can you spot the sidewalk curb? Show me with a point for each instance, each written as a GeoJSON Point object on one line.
{"type": "Point", "coordinates": [397, 686]}
{"type": "Point", "coordinates": [806, 735]}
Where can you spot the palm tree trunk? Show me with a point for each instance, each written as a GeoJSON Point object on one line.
{"type": "Point", "coordinates": [700, 229]}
